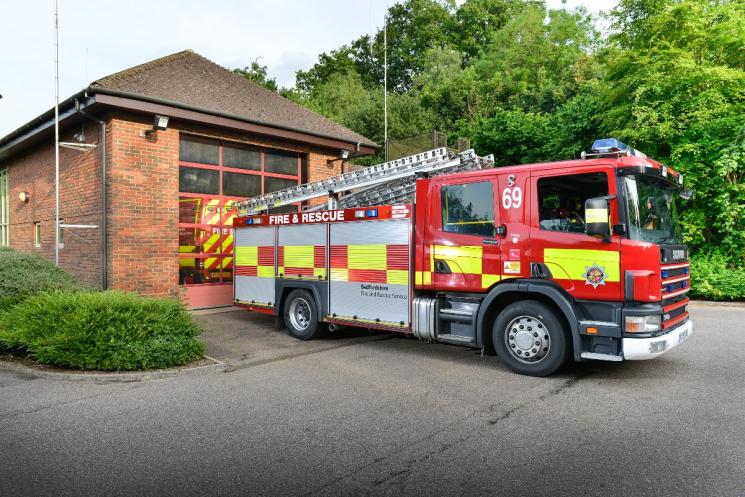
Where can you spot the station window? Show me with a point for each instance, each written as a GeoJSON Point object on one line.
{"type": "Point", "coordinates": [561, 200]}
{"type": "Point", "coordinates": [468, 209]}
{"type": "Point", "coordinates": [37, 234]}
{"type": "Point", "coordinates": [213, 176]}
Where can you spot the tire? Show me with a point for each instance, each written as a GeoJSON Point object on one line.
{"type": "Point", "coordinates": [300, 315]}
{"type": "Point", "coordinates": [530, 338]}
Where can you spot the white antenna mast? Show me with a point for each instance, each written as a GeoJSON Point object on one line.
{"type": "Point", "coordinates": [56, 133]}
{"type": "Point", "coordinates": [385, 85]}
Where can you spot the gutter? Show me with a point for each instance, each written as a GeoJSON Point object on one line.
{"type": "Point", "coordinates": [104, 237]}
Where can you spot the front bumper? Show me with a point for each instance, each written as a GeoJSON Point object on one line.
{"type": "Point", "coordinates": [637, 349]}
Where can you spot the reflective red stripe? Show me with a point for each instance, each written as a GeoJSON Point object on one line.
{"type": "Point", "coordinates": [676, 305]}
{"type": "Point", "coordinates": [674, 321]}
{"type": "Point", "coordinates": [319, 256]}
{"type": "Point", "coordinates": [339, 257]}
{"type": "Point", "coordinates": [246, 271]}
{"type": "Point", "coordinates": [397, 256]}
{"type": "Point", "coordinates": [266, 256]}
{"type": "Point", "coordinates": [368, 275]}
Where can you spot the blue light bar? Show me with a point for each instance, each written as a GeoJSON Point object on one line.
{"type": "Point", "coordinates": [372, 213]}
{"type": "Point", "coordinates": [608, 145]}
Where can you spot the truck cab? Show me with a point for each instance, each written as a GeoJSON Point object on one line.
{"type": "Point", "coordinates": [593, 245]}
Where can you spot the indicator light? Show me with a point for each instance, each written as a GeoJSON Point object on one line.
{"type": "Point", "coordinates": [359, 214]}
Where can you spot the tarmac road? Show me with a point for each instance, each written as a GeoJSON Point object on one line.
{"type": "Point", "coordinates": [387, 415]}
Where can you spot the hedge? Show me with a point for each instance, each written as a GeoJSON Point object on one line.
{"type": "Point", "coordinates": [109, 330]}
{"type": "Point", "coordinates": [23, 275]}
{"type": "Point", "coordinates": [713, 277]}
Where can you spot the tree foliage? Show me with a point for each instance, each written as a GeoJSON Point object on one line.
{"type": "Point", "coordinates": [259, 75]}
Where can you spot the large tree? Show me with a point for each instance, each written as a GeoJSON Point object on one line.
{"type": "Point", "coordinates": [676, 89]}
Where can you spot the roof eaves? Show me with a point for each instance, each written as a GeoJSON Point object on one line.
{"type": "Point", "coordinates": [146, 98]}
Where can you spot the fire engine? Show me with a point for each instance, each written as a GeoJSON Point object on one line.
{"type": "Point", "coordinates": [536, 263]}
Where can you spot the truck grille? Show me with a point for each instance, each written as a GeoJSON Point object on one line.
{"type": "Point", "coordinates": [674, 273]}
{"type": "Point", "coordinates": [676, 281]}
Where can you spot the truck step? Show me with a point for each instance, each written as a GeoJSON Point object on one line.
{"type": "Point", "coordinates": [601, 357]}
{"type": "Point", "coordinates": [454, 339]}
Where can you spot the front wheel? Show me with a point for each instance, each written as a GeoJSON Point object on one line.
{"type": "Point", "coordinates": [300, 315]}
{"type": "Point", "coordinates": [530, 338]}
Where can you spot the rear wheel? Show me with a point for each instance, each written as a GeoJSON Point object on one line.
{"type": "Point", "coordinates": [530, 338]}
{"type": "Point", "coordinates": [300, 315]}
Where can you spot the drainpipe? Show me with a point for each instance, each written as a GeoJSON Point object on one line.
{"type": "Point", "coordinates": [104, 238]}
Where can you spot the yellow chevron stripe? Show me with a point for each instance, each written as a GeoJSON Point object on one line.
{"type": "Point", "coordinates": [367, 257]}
{"type": "Point", "coordinates": [464, 259]}
{"type": "Point", "coordinates": [246, 256]}
{"type": "Point", "coordinates": [397, 277]}
{"type": "Point", "coordinates": [574, 262]}
{"type": "Point", "coordinates": [300, 256]}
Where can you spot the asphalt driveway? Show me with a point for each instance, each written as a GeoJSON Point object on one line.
{"type": "Point", "coordinates": [387, 415]}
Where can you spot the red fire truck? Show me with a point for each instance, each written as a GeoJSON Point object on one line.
{"type": "Point", "coordinates": [538, 262]}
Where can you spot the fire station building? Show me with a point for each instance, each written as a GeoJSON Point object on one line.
{"type": "Point", "coordinates": [153, 159]}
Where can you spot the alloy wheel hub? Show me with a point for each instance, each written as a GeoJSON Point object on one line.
{"type": "Point", "coordinates": [527, 339]}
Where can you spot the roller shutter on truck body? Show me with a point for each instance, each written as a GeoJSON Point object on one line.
{"type": "Point", "coordinates": [360, 260]}
{"type": "Point", "coordinates": [255, 266]}
{"type": "Point", "coordinates": [370, 271]}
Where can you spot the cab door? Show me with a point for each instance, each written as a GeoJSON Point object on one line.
{"type": "Point", "coordinates": [587, 267]}
{"type": "Point", "coordinates": [465, 246]}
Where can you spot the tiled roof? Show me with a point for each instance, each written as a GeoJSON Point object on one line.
{"type": "Point", "coordinates": [188, 78]}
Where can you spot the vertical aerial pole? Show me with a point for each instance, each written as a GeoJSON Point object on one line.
{"type": "Point", "coordinates": [385, 85]}
{"type": "Point", "coordinates": [56, 133]}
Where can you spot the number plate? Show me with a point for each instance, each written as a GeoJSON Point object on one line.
{"type": "Point", "coordinates": [682, 337]}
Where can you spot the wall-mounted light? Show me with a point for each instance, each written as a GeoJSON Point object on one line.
{"type": "Point", "coordinates": [343, 156]}
{"type": "Point", "coordinates": [24, 196]}
{"type": "Point", "coordinates": [160, 123]}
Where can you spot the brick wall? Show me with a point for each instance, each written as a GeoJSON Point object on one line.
{"type": "Point", "coordinates": [32, 171]}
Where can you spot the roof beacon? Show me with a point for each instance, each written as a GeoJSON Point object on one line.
{"type": "Point", "coordinates": [611, 147]}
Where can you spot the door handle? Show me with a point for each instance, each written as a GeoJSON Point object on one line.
{"type": "Point", "coordinates": [501, 230]}
{"type": "Point", "coordinates": [441, 267]}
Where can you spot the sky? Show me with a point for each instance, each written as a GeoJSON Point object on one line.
{"type": "Point", "coordinates": [101, 37]}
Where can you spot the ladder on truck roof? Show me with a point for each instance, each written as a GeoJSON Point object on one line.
{"type": "Point", "coordinates": [389, 182]}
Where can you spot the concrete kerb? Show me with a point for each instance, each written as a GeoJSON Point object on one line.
{"type": "Point", "coordinates": [716, 303]}
{"type": "Point", "coordinates": [116, 377]}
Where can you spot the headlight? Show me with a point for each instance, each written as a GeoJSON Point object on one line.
{"type": "Point", "coordinates": [643, 324]}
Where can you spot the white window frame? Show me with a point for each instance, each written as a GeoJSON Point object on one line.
{"type": "Point", "coordinates": [37, 234]}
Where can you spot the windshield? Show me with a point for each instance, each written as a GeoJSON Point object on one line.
{"type": "Point", "coordinates": [653, 216]}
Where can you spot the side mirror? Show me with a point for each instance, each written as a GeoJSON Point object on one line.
{"type": "Point", "coordinates": [597, 217]}
{"type": "Point", "coordinates": [686, 194]}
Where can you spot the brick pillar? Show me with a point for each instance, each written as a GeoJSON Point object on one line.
{"type": "Point", "coordinates": [143, 208]}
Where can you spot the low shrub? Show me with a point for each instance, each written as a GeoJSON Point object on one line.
{"type": "Point", "coordinates": [23, 275]}
{"type": "Point", "coordinates": [714, 277]}
{"type": "Point", "coordinates": [109, 330]}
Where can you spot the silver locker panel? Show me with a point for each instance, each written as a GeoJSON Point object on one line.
{"type": "Point", "coordinates": [370, 301]}
{"type": "Point", "coordinates": [257, 289]}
